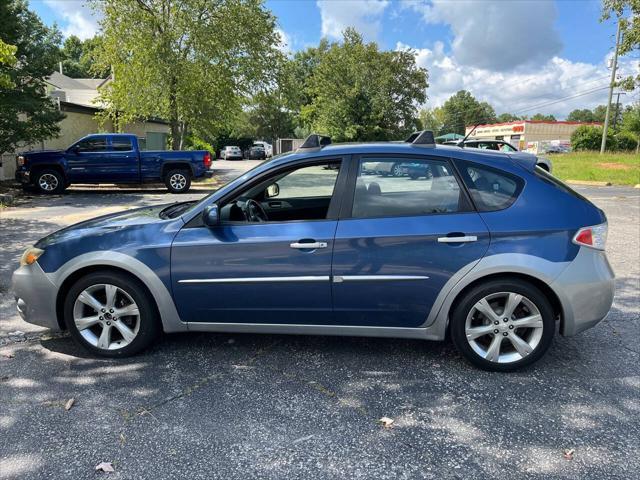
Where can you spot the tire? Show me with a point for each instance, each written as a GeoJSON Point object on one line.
{"type": "Point", "coordinates": [178, 181]}
{"type": "Point", "coordinates": [145, 326]}
{"type": "Point", "coordinates": [49, 182]}
{"type": "Point", "coordinates": [414, 176]}
{"type": "Point", "coordinates": [396, 170]}
{"type": "Point", "coordinates": [536, 338]}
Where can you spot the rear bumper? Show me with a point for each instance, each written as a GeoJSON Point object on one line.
{"type": "Point", "coordinates": [585, 288]}
{"type": "Point", "coordinates": [36, 296]}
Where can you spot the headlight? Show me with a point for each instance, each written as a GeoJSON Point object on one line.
{"type": "Point", "coordinates": [30, 255]}
{"type": "Point", "coordinates": [20, 160]}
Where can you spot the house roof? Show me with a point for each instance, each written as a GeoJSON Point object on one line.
{"type": "Point", "coordinates": [62, 82]}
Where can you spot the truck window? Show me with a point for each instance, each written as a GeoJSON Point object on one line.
{"type": "Point", "coordinates": [92, 144]}
{"type": "Point", "coordinates": [121, 144]}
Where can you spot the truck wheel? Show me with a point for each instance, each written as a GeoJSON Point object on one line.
{"type": "Point", "coordinates": [49, 182]}
{"type": "Point", "coordinates": [178, 181]}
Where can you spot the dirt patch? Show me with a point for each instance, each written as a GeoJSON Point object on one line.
{"type": "Point", "coordinates": [614, 166]}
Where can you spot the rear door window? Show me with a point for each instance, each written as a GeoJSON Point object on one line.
{"type": "Point", "coordinates": [121, 144]}
{"type": "Point", "coordinates": [490, 189]}
{"type": "Point", "coordinates": [406, 187]}
{"type": "Point", "coordinates": [92, 144]}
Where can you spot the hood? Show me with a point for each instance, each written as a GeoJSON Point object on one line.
{"type": "Point", "coordinates": [105, 224]}
{"type": "Point", "coordinates": [35, 154]}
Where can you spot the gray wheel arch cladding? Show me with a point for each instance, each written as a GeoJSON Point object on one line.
{"type": "Point", "coordinates": [162, 297]}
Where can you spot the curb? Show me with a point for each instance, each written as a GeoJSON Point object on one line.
{"type": "Point", "coordinates": [591, 183]}
{"type": "Point", "coordinates": [637, 185]}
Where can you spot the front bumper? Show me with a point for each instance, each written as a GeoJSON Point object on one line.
{"type": "Point", "coordinates": [36, 296]}
{"type": "Point", "coordinates": [22, 176]}
{"type": "Point", "coordinates": [585, 288]}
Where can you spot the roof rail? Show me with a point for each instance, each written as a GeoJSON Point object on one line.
{"type": "Point", "coordinates": [423, 138]}
{"type": "Point", "coordinates": [315, 141]}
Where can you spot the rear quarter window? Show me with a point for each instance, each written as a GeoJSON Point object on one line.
{"type": "Point", "coordinates": [491, 189]}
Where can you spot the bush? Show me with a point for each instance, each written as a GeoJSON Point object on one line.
{"type": "Point", "coordinates": [589, 137]}
{"type": "Point", "coordinates": [626, 141]}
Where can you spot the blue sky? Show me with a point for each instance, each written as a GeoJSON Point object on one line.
{"type": "Point", "coordinates": [522, 56]}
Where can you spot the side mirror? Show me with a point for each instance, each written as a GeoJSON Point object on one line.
{"type": "Point", "coordinates": [272, 190]}
{"type": "Point", "coordinates": [211, 216]}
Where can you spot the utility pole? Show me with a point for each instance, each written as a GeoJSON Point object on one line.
{"type": "Point", "coordinates": [603, 144]}
{"type": "Point", "coordinates": [615, 116]}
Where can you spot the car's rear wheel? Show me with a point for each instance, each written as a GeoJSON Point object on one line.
{"type": "Point", "coordinates": [111, 314]}
{"type": "Point", "coordinates": [50, 182]}
{"type": "Point", "coordinates": [503, 325]}
{"type": "Point", "coordinates": [178, 181]}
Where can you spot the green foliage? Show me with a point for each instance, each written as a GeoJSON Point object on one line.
{"type": "Point", "coordinates": [27, 114]}
{"type": "Point", "coordinates": [358, 92]}
{"type": "Point", "coordinates": [629, 30]}
{"type": "Point", "coordinates": [7, 62]}
{"type": "Point", "coordinates": [588, 137]}
{"type": "Point", "coordinates": [626, 141]}
{"type": "Point", "coordinates": [79, 58]}
{"type": "Point", "coordinates": [631, 120]}
{"type": "Point", "coordinates": [432, 119]}
{"type": "Point", "coordinates": [462, 109]}
{"type": "Point", "coordinates": [541, 117]}
{"type": "Point", "coordinates": [507, 117]}
{"type": "Point", "coordinates": [269, 118]}
{"type": "Point", "coordinates": [185, 61]}
{"type": "Point", "coordinates": [581, 115]}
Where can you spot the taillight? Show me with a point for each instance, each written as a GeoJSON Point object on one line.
{"type": "Point", "coordinates": [594, 237]}
{"type": "Point", "coordinates": [207, 160]}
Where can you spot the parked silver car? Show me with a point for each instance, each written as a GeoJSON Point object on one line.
{"type": "Point", "coordinates": [231, 153]}
{"type": "Point", "coordinates": [501, 145]}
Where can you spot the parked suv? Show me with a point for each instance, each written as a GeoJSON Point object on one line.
{"type": "Point", "coordinates": [489, 250]}
{"type": "Point", "coordinates": [110, 158]}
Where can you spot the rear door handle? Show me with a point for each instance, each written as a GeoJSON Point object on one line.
{"type": "Point", "coordinates": [461, 239]}
{"type": "Point", "coordinates": [308, 245]}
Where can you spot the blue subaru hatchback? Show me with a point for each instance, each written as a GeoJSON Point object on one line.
{"type": "Point", "coordinates": [484, 247]}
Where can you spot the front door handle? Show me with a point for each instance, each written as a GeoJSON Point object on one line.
{"type": "Point", "coordinates": [308, 245]}
{"type": "Point", "coordinates": [460, 239]}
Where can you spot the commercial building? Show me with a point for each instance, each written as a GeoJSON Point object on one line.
{"type": "Point", "coordinates": [528, 135]}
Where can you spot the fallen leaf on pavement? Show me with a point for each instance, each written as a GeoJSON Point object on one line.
{"type": "Point", "coordinates": [567, 453]}
{"type": "Point", "coordinates": [69, 404]}
{"type": "Point", "coordinates": [386, 422]}
{"type": "Point", "coordinates": [105, 467]}
{"type": "Point", "coordinates": [8, 355]}
{"type": "Point", "coordinates": [123, 439]}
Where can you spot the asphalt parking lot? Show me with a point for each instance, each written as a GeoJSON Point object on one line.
{"type": "Point", "coordinates": [266, 406]}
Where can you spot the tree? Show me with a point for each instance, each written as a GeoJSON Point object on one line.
{"type": "Point", "coordinates": [358, 92]}
{"type": "Point", "coordinates": [629, 30]}
{"type": "Point", "coordinates": [631, 122]}
{"type": "Point", "coordinates": [269, 117]}
{"type": "Point", "coordinates": [7, 61]}
{"type": "Point", "coordinates": [79, 58]}
{"type": "Point", "coordinates": [507, 117]}
{"type": "Point", "coordinates": [462, 110]}
{"type": "Point", "coordinates": [581, 115]}
{"type": "Point", "coordinates": [588, 137]}
{"type": "Point", "coordinates": [185, 61]}
{"type": "Point", "coordinates": [432, 119]}
{"type": "Point", "coordinates": [541, 117]}
{"type": "Point", "coordinates": [27, 114]}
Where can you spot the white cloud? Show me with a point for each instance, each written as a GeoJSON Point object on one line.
{"type": "Point", "coordinates": [496, 34]}
{"type": "Point", "coordinates": [364, 15]}
{"type": "Point", "coordinates": [76, 16]}
{"type": "Point", "coordinates": [518, 90]}
{"type": "Point", "coordinates": [286, 43]}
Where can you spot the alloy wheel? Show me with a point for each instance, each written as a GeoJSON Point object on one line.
{"type": "Point", "coordinates": [48, 182]}
{"type": "Point", "coordinates": [178, 181]}
{"type": "Point", "coordinates": [397, 170]}
{"type": "Point", "coordinates": [106, 316]}
{"type": "Point", "coordinates": [504, 327]}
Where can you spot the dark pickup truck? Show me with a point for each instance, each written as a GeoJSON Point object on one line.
{"type": "Point", "coordinates": [110, 158]}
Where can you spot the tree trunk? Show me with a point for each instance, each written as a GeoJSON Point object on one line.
{"type": "Point", "coordinates": [174, 121]}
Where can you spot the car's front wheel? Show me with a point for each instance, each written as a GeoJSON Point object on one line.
{"type": "Point", "coordinates": [503, 325]}
{"type": "Point", "coordinates": [178, 181]}
{"type": "Point", "coordinates": [111, 314]}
